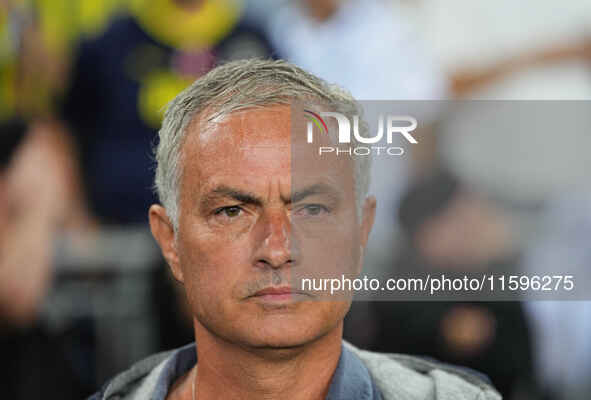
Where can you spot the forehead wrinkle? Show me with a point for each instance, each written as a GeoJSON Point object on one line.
{"type": "Point", "coordinates": [227, 192]}
{"type": "Point", "coordinates": [235, 193]}
{"type": "Point", "coordinates": [316, 189]}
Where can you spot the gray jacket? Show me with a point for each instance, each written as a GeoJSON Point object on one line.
{"type": "Point", "coordinates": [398, 377]}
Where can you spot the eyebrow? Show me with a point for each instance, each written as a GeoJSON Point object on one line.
{"type": "Point", "coordinates": [318, 188]}
{"type": "Point", "coordinates": [246, 197]}
{"type": "Point", "coordinates": [224, 191]}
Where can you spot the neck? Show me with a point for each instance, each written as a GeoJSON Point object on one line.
{"type": "Point", "coordinates": [231, 371]}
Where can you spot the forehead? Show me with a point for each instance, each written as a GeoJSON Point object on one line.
{"type": "Point", "coordinates": [255, 145]}
{"type": "Point", "coordinates": [244, 126]}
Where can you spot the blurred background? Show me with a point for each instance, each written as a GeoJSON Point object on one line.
{"type": "Point", "coordinates": [83, 289]}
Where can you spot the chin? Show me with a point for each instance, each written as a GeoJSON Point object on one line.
{"type": "Point", "coordinates": [280, 343]}
{"type": "Point", "coordinates": [285, 332]}
{"type": "Point", "coordinates": [289, 332]}
{"type": "Point", "coordinates": [276, 328]}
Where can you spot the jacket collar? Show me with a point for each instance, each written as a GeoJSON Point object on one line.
{"type": "Point", "coordinates": [351, 379]}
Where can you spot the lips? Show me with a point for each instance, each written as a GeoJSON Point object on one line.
{"type": "Point", "coordinates": [280, 295]}
{"type": "Point", "coordinates": [276, 291]}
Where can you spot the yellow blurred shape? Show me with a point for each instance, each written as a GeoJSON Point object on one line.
{"type": "Point", "coordinates": [185, 28]}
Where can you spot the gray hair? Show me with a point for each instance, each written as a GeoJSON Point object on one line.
{"type": "Point", "coordinates": [240, 85]}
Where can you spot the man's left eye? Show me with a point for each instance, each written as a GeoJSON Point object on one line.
{"type": "Point", "coordinates": [313, 209]}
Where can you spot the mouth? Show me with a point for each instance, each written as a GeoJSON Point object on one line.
{"type": "Point", "coordinates": [278, 293]}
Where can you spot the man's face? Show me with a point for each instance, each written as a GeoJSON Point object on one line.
{"type": "Point", "coordinates": [250, 228]}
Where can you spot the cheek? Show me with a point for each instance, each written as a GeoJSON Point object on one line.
{"type": "Point", "coordinates": [327, 255]}
{"type": "Point", "coordinates": [211, 263]}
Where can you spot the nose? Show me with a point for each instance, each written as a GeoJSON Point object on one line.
{"type": "Point", "coordinates": [274, 242]}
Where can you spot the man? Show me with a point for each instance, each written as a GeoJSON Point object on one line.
{"type": "Point", "coordinates": [245, 207]}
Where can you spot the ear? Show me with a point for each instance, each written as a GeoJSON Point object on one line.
{"type": "Point", "coordinates": [369, 215]}
{"type": "Point", "coordinates": [163, 232]}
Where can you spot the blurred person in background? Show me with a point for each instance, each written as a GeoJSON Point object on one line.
{"type": "Point", "coordinates": [41, 200]}
{"type": "Point", "coordinates": [544, 185]}
{"type": "Point", "coordinates": [452, 228]}
{"type": "Point", "coordinates": [37, 202]}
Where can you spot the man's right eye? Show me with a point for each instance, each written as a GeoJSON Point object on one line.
{"type": "Point", "coordinates": [229, 211]}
